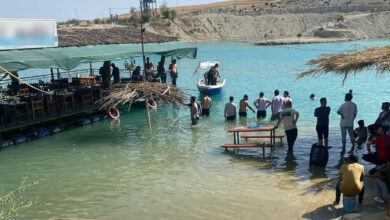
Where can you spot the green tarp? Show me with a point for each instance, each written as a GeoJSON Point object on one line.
{"type": "Point", "coordinates": [67, 58]}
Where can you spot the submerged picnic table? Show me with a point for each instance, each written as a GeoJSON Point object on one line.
{"type": "Point", "coordinates": [244, 129]}
{"type": "Point", "coordinates": [269, 128]}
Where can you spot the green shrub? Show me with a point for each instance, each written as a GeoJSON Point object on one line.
{"type": "Point", "coordinates": [172, 14]}
{"type": "Point", "coordinates": [145, 18]}
{"type": "Point", "coordinates": [98, 21]}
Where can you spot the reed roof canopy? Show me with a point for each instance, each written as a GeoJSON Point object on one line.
{"type": "Point", "coordinates": [165, 94]}
{"type": "Point", "coordinates": [350, 62]}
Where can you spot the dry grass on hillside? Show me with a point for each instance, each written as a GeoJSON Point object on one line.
{"type": "Point", "coordinates": [184, 9]}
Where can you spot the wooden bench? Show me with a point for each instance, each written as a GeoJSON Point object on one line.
{"type": "Point", "coordinates": [281, 136]}
{"type": "Point", "coordinates": [237, 146]}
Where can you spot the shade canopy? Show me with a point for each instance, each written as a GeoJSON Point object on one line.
{"type": "Point", "coordinates": [68, 58]}
{"type": "Point", "coordinates": [350, 62]}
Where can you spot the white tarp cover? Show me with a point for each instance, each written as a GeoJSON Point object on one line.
{"type": "Point", "coordinates": [205, 65]}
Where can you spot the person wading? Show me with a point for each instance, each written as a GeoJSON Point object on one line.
{"type": "Point", "coordinates": [348, 112]}
{"type": "Point", "coordinates": [262, 104]}
{"type": "Point", "coordinates": [244, 105]}
{"type": "Point", "coordinates": [289, 116]}
{"type": "Point", "coordinates": [206, 104]}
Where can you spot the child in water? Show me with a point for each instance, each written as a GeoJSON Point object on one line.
{"type": "Point", "coordinates": [361, 134]}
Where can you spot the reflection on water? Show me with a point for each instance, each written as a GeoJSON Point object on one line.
{"type": "Point", "coordinates": [121, 169]}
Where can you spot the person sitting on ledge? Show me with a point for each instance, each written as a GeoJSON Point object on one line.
{"type": "Point", "coordinates": [382, 182]}
{"type": "Point", "coordinates": [351, 180]}
{"type": "Point", "coordinates": [382, 149]}
{"type": "Point", "coordinates": [382, 120]}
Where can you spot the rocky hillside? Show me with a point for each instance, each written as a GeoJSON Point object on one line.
{"type": "Point", "coordinates": [70, 35]}
{"type": "Point", "coordinates": [323, 19]}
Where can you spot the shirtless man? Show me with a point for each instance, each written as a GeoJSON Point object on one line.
{"type": "Point", "coordinates": [206, 105]}
{"type": "Point", "coordinates": [194, 109]}
{"type": "Point", "coordinates": [244, 105]}
{"type": "Point", "coordinates": [212, 75]}
{"type": "Point", "coordinates": [286, 98]}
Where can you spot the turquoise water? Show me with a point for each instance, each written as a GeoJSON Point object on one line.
{"type": "Point", "coordinates": [121, 170]}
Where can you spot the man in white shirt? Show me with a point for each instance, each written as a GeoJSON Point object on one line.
{"type": "Point", "coordinates": [289, 116]}
{"type": "Point", "coordinates": [230, 110]}
{"type": "Point", "coordinates": [262, 104]}
{"type": "Point", "coordinates": [348, 112]}
{"type": "Point", "coordinates": [276, 106]}
{"type": "Point", "coordinates": [286, 98]}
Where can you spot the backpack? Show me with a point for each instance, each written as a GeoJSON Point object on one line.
{"type": "Point", "coordinates": [319, 155]}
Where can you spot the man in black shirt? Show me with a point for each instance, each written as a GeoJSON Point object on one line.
{"type": "Point", "coordinates": [115, 73]}
{"type": "Point", "coordinates": [322, 114]}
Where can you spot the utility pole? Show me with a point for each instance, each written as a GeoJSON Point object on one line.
{"type": "Point", "coordinates": [143, 60]}
{"type": "Point", "coordinates": [77, 14]}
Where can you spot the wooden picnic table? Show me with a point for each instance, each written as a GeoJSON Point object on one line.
{"type": "Point", "coordinates": [237, 130]}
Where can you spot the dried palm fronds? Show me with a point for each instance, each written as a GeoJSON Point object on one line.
{"type": "Point", "coordinates": [129, 93]}
{"type": "Point", "coordinates": [350, 62]}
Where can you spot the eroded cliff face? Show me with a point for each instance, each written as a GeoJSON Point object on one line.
{"type": "Point", "coordinates": [284, 19]}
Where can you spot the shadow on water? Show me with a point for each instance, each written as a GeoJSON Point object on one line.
{"type": "Point", "coordinates": [252, 158]}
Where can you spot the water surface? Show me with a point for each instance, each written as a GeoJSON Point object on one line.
{"type": "Point", "coordinates": [121, 170]}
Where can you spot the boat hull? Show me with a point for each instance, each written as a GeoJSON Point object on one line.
{"type": "Point", "coordinates": [211, 89]}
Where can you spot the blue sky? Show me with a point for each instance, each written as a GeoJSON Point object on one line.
{"type": "Point", "coordinates": [62, 10]}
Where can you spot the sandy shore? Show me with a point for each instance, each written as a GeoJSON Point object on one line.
{"type": "Point", "coordinates": [303, 40]}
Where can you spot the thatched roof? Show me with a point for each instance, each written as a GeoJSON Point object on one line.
{"type": "Point", "coordinates": [350, 62]}
{"type": "Point", "coordinates": [129, 93]}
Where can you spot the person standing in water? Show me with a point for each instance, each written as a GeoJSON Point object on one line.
{"type": "Point", "coordinates": [322, 114]}
{"type": "Point", "coordinates": [262, 104]}
{"type": "Point", "coordinates": [348, 112]}
{"type": "Point", "coordinates": [206, 104]}
{"type": "Point", "coordinates": [244, 105]}
{"type": "Point", "coordinates": [194, 109]}
{"type": "Point", "coordinates": [230, 110]}
{"type": "Point", "coordinates": [289, 116]}
{"type": "Point", "coordinates": [173, 71]}
{"type": "Point", "coordinates": [276, 106]}
{"type": "Point", "coordinates": [286, 98]}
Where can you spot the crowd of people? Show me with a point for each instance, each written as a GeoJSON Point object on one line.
{"type": "Point", "coordinates": [351, 174]}
{"type": "Point", "coordinates": [158, 74]}
{"type": "Point", "coordinates": [151, 74]}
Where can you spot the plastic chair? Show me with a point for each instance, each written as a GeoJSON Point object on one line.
{"type": "Point", "coordinates": [350, 203]}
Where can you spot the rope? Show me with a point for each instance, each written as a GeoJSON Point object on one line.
{"type": "Point", "coordinates": [22, 81]}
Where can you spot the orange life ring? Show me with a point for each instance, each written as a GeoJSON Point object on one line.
{"type": "Point", "coordinates": [110, 110]}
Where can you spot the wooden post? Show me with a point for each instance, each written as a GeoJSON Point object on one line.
{"type": "Point", "coordinates": [148, 112]}
{"type": "Point", "coordinates": [90, 69]}
{"type": "Point", "coordinates": [58, 74]}
{"type": "Point", "coordinates": [107, 73]}
{"type": "Point", "coordinates": [143, 60]}
{"type": "Point", "coordinates": [52, 74]}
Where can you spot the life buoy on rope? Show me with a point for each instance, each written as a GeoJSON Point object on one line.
{"type": "Point", "coordinates": [152, 104]}
{"type": "Point", "coordinates": [113, 112]}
